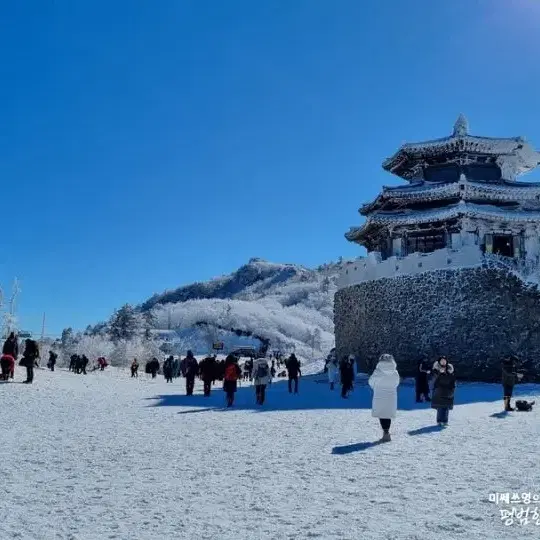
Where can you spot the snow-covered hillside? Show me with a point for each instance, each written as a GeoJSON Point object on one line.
{"type": "Point", "coordinates": [288, 305]}
{"type": "Point", "coordinates": [106, 456]}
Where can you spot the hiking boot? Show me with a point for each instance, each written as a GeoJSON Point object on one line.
{"type": "Point", "coordinates": [386, 437]}
{"type": "Point", "coordinates": [507, 406]}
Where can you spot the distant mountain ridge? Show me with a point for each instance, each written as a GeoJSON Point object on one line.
{"type": "Point", "coordinates": [289, 305]}
{"type": "Point", "coordinates": [256, 271]}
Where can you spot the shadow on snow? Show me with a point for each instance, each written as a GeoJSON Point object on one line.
{"type": "Point", "coordinates": [316, 395]}
{"type": "Point", "coordinates": [425, 430]}
{"type": "Point", "coordinates": [357, 447]}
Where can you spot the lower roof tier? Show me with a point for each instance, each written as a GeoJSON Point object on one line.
{"type": "Point", "coordinates": [380, 220]}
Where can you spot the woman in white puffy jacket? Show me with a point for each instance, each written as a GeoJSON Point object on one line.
{"type": "Point", "coordinates": [384, 382]}
{"type": "Point", "coordinates": [333, 371]}
{"type": "Point", "coordinates": [261, 378]}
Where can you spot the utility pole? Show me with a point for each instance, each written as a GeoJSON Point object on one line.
{"type": "Point", "coordinates": [43, 328]}
{"type": "Point", "coordinates": [11, 317]}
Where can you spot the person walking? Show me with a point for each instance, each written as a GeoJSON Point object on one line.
{"type": "Point", "coordinates": [207, 370]}
{"type": "Point", "coordinates": [443, 390]}
{"type": "Point", "coordinates": [52, 360]}
{"type": "Point", "coordinates": [232, 374]}
{"type": "Point", "coordinates": [384, 382]}
{"type": "Point", "coordinates": [73, 362]}
{"type": "Point", "coordinates": [293, 371]}
{"type": "Point", "coordinates": [422, 381]}
{"type": "Point", "coordinates": [332, 371]}
{"type": "Point", "coordinates": [134, 368]}
{"type": "Point", "coordinates": [346, 369]}
{"type": "Point", "coordinates": [176, 368]}
{"type": "Point", "coordinates": [261, 378]}
{"type": "Point", "coordinates": [510, 377]}
{"type": "Point", "coordinates": [190, 369]}
{"type": "Point", "coordinates": [84, 364]}
{"type": "Point", "coordinates": [30, 357]}
{"type": "Point", "coordinates": [168, 369]}
{"type": "Point", "coordinates": [154, 367]}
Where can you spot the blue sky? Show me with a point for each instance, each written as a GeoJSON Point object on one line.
{"type": "Point", "coordinates": [145, 145]}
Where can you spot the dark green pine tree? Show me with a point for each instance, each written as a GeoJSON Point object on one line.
{"type": "Point", "coordinates": [124, 324]}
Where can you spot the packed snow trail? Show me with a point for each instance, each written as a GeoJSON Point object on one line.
{"type": "Point", "coordinates": [104, 456]}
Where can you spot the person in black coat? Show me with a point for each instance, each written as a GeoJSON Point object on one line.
{"type": "Point", "coordinates": [73, 362]}
{"type": "Point", "coordinates": [190, 368]}
{"type": "Point", "coordinates": [52, 360]}
{"type": "Point", "coordinates": [509, 378]}
{"type": "Point", "coordinates": [30, 357]}
{"type": "Point", "coordinates": [11, 346]}
{"type": "Point", "coordinates": [154, 367]}
{"type": "Point", "coordinates": [346, 369]}
{"type": "Point", "coordinates": [422, 382]}
{"type": "Point", "coordinates": [293, 370]}
{"type": "Point", "coordinates": [207, 370]}
{"type": "Point", "coordinates": [168, 369]}
{"type": "Point", "coordinates": [84, 364]}
{"type": "Point", "coordinates": [443, 391]}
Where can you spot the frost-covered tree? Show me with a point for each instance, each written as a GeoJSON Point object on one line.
{"type": "Point", "coordinates": [325, 285]}
{"type": "Point", "coordinates": [148, 324]}
{"type": "Point", "coordinates": [93, 347]}
{"type": "Point", "coordinates": [124, 351]}
{"type": "Point", "coordinates": [67, 337]}
{"type": "Point", "coordinates": [124, 324]}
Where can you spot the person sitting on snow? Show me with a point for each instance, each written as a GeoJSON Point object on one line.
{"type": "Point", "coordinates": [7, 363]}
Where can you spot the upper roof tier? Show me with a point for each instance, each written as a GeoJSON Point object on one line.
{"type": "Point", "coordinates": [514, 155]}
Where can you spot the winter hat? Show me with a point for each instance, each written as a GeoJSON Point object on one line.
{"type": "Point", "coordinates": [386, 358]}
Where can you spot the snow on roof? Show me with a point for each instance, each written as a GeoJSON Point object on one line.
{"type": "Point", "coordinates": [411, 217]}
{"type": "Point", "coordinates": [421, 191]}
{"type": "Point", "coordinates": [455, 210]}
{"type": "Point", "coordinates": [460, 141]}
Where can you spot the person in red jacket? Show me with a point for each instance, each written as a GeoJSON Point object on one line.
{"type": "Point", "coordinates": [232, 374]}
{"type": "Point", "coordinates": [7, 363]}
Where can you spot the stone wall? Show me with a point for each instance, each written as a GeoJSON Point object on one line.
{"type": "Point", "coordinates": [474, 316]}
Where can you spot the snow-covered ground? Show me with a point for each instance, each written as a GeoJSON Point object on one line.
{"type": "Point", "coordinates": [103, 456]}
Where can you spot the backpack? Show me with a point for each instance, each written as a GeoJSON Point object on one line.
{"type": "Point", "coordinates": [230, 373]}
{"type": "Point", "coordinates": [31, 350]}
{"type": "Point", "coordinates": [262, 371]}
{"type": "Point", "coordinates": [525, 406]}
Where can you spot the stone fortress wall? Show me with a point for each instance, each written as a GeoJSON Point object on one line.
{"type": "Point", "coordinates": [457, 303]}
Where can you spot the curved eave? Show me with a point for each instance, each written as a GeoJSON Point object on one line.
{"type": "Point", "coordinates": [359, 234]}
{"type": "Point", "coordinates": [381, 220]}
{"type": "Point", "coordinates": [423, 192]}
{"type": "Point", "coordinates": [456, 210]}
{"type": "Point", "coordinates": [517, 147]}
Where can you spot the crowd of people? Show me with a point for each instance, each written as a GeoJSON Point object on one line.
{"type": "Point", "coordinates": [384, 381]}
{"type": "Point", "coordinates": [10, 353]}
{"type": "Point", "coordinates": [227, 372]}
